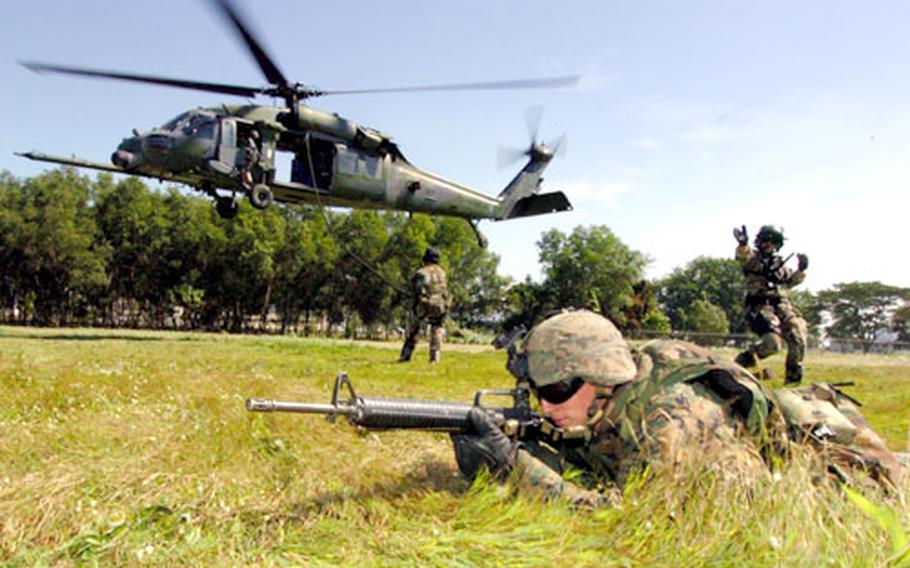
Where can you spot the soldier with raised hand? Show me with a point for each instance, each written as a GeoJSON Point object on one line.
{"type": "Point", "coordinates": [768, 309]}
{"type": "Point", "coordinates": [431, 305]}
{"type": "Point", "coordinates": [670, 405]}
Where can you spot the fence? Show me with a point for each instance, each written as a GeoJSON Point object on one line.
{"type": "Point", "coordinates": [743, 340]}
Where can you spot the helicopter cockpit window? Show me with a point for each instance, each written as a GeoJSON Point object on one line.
{"type": "Point", "coordinates": [200, 126]}
{"type": "Point", "coordinates": [175, 122]}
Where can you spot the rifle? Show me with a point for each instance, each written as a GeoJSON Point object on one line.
{"type": "Point", "coordinates": [774, 270]}
{"type": "Point", "coordinates": [518, 421]}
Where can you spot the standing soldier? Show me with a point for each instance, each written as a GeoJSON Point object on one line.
{"type": "Point", "coordinates": [768, 309]}
{"type": "Point", "coordinates": [431, 304]}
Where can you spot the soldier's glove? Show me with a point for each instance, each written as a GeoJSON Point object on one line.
{"type": "Point", "coordinates": [487, 447]}
{"type": "Point", "coordinates": [802, 262]}
{"type": "Point", "coordinates": [741, 235]}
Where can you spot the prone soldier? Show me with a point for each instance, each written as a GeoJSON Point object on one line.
{"type": "Point", "coordinates": [431, 305]}
{"type": "Point", "coordinates": [768, 309]}
{"type": "Point", "coordinates": [670, 405]}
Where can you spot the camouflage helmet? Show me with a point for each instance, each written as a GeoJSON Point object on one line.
{"type": "Point", "coordinates": [574, 344]}
{"type": "Point", "coordinates": [771, 233]}
{"type": "Point", "coordinates": [431, 255]}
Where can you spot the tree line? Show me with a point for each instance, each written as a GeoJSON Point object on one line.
{"type": "Point", "coordinates": [99, 252]}
{"type": "Point", "coordinates": [81, 251]}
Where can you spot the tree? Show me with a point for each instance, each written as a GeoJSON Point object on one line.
{"type": "Point", "coordinates": [476, 288]}
{"type": "Point", "coordinates": [900, 322]}
{"type": "Point", "coordinates": [63, 262]}
{"type": "Point", "coordinates": [590, 267]}
{"type": "Point", "coordinates": [134, 225]}
{"type": "Point", "coordinates": [859, 309]}
{"type": "Point", "coordinates": [527, 303]}
{"type": "Point", "coordinates": [718, 280]}
{"type": "Point", "coordinates": [704, 317]}
{"type": "Point", "coordinates": [306, 263]}
{"type": "Point", "coordinates": [362, 277]}
{"type": "Point", "coordinates": [811, 308]}
{"type": "Point", "coordinates": [656, 320]}
{"type": "Point", "coordinates": [13, 243]}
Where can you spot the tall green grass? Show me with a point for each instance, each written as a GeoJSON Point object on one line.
{"type": "Point", "coordinates": [133, 448]}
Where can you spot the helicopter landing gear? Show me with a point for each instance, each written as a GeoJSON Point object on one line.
{"type": "Point", "coordinates": [261, 196]}
{"type": "Point", "coordinates": [226, 206]}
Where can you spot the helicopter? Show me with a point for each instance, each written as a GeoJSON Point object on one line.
{"type": "Point", "coordinates": [231, 149]}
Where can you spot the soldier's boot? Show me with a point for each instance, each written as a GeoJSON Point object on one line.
{"type": "Point", "coordinates": [406, 352]}
{"type": "Point", "coordinates": [794, 375]}
{"type": "Point", "coordinates": [747, 359]}
{"type": "Point", "coordinates": [766, 374]}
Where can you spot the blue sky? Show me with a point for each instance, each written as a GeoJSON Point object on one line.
{"type": "Point", "coordinates": [691, 117]}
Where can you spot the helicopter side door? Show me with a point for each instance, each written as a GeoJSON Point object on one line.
{"type": "Point", "coordinates": [227, 146]}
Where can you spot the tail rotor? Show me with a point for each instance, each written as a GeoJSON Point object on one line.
{"type": "Point", "coordinates": [509, 156]}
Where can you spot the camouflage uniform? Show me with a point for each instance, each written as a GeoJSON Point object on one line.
{"type": "Point", "coordinates": [676, 406]}
{"type": "Point", "coordinates": [685, 407]}
{"type": "Point", "coordinates": [431, 305]}
{"type": "Point", "coordinates": [769, 311]}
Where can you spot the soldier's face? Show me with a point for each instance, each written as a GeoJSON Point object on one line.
{"type": "Point", "coordinates": [572, 412]}
{"type": "Point", "coordinates": [767, 247]}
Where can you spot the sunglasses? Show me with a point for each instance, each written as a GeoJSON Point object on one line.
{"type": "Point", "coordinates": [558, 393]}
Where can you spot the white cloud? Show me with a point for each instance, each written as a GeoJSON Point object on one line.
{"type": "Point", "coordinates": [604, 193]}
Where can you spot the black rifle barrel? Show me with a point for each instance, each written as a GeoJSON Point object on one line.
{"type": "Point", "coordinates": [386, 413]}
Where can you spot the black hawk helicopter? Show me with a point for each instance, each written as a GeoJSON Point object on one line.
{"type": "Point", "coordinates": [336, 162]}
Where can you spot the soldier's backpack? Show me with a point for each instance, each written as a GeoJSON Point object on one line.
{"type": "Point", "coordinates": [432, 292]}
{"type": "Point", "coordinates": [672, 361]}
{"type": "Point", "coordinates": [824, 416]}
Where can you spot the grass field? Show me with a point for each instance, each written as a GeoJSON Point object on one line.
{"type": "Point", "coordinates": [126, 448]}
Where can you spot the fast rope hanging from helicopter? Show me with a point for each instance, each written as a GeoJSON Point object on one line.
{"type": "Point", "coordinates": [328, 223]}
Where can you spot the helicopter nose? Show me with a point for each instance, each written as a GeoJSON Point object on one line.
{"type": "Point", "coordinates": [128, 154]}
{"type": "Point", "coordinates": [124, 159]}
{"type": "Point", "coordinates": [157, 144]}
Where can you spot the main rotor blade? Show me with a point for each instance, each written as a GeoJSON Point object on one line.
{"type": "Point", "coordinates": [184, 84]}
{"type": "Point", "coordinates": [550, 83]}
{"type": "Point", "coordinates": [271, 71]}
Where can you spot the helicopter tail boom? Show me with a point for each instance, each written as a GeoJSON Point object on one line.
{"type": "Point", "coordinates": [522, 197]}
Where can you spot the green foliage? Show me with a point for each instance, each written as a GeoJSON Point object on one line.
{"type": "Point", "coordinates": [719, 280]}
{"type": "Point", "coordinates": [810, 307]}
{"type": "Point", "coordinates": [705, 317]}
{"type": "Point", "coordinates": [656, 320]}
{"type": "Point", "coordinates": [900, 322]}
{"type": "Point", "coordinates": [889, 520]}
{"type": "Point", "coordinates": [51, 245]}
{"type": "Point", "coordinates": [527, 303]}
{"type": "Point", "coordinates": [120, 254]}
{"type": "Point", "coordinates": [590, 266]}
{"type": "Point", "coordinates": [860, 309]}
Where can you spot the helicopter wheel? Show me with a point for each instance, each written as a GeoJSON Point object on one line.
{"type": "Point", "coordinates": [227, 207]}
{"type": "Point", "coordinates": [261, 196]}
